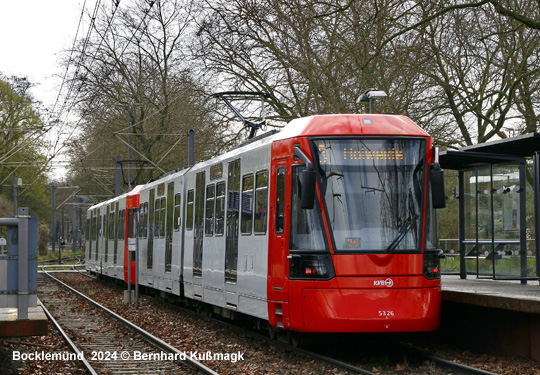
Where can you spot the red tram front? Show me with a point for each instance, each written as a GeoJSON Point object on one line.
{"type": "Point", "coordinates": [352, 245]}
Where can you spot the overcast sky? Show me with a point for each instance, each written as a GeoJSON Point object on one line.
{"type": "Point", "coordinates": [33, 33]}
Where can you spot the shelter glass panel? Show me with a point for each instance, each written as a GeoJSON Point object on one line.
{"type": "Point", "coordinates": [506, 214]}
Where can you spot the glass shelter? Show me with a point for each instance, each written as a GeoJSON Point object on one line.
{"type": "Point", "coordinates": [498, 192]}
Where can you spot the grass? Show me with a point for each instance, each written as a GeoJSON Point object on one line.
{"type": "Point", "coordinates": [506, 266]}
{"type": "Point", "coordinates": [66, 253]}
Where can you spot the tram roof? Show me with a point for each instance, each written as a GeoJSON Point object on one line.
{"type": "Point", "coordinates": [354, 124]}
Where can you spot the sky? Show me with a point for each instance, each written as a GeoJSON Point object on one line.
{"type": "Point", "coordinates": [33, 35]}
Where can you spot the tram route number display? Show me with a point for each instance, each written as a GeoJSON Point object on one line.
{"type": "Point", "coordinates": [348, 154]}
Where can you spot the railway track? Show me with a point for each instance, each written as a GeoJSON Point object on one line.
{"type": "Point", "coordinates": [416, 362]}
{"type": "Point", "coordinates": [112, 346]}
{"type": "Point", "coordinates": [78, 258]}
{"type": "Point", "coordinates": [436, 365]}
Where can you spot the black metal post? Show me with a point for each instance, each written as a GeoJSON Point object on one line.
{"type": "Point", "coordinates": [536, 171]}
{"type": "Point", "coordinates": [523, 220]}
{"type": "Point", "coordinates": [74, 225]}
{"type": "Point", "coordinates": [117, 182]}
{"type": "Point", "coordinates": [492, 221]}
{"type": "Point", "coordinates": [63, 239]}
{"type": "Point", "coordinates": [14, 195]}
{"type": "Point", "coordinates": [128, 108]}
{"type": "Point", "coordinates": [476, 223]}
{"type": "Point", "coordinates": [136, 213]}
{"type": "Point", "coordinates": [462, 264]}
{"type": "Point", "coordinates": [80, 231]}
{"type": "Point", "coordinates": [53, 225]}
{"type": "Point", "coordinates": [191, 148]}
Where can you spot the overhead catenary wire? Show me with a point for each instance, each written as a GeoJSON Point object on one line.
{"type": "Point", "coordinates": [69, 60]}
{"type": "Point", "coordinates": [164, 107]}
{"type": "Point", "coordinates": [85, 44]}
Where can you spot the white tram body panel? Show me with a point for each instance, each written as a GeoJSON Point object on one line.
{"type": "Point", "coordinates": [105, 245]}
{"type": "Point", "coordinates": [246, 294]}
{"type": "Point", "coordinates": [160, 228]}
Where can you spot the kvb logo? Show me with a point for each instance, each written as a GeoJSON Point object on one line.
{"type": "Point", "coordinates": [388, 283]}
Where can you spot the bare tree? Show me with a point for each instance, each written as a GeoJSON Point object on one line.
{"type": "Point", "coordinates": [463, 70]}
{"type": "Point", "coordinates": [134, 81]}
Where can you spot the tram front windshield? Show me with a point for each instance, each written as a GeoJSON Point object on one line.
{"type": "Point", "coordinates": [373, 193]}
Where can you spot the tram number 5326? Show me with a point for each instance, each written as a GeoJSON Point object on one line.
{"type": "Point", "coordinates": [386, 313]}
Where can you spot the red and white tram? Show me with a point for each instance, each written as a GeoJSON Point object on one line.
{"type": "Point", "coordinates": [326, 226]}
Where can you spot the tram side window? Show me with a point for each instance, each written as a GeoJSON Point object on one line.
{"type": "Point", "coordinates": [122, 223]}
{"type": "Point", "coordinates": [261, 202]}
{"type": "Point", "coordinates": [99, 233]}
{"type": "Point", "coordinates": [210, 208]}
{"type": "Point", "coordinates": [246, 222]}
{"type": "Point", "coordinates": [189, 213]}
{"type": "Point", "coordinates": [114, 234]}
{"type": "Point", "coordinates": [117, 224]}
{"type": "Point", "coordinates": [280, 200]}
{"type": "Point", "coordinates": [233, 221]}
{"type": "Point", "coordinates": [106, 232]}
{"type": "Point", "coordinates": [94, 226]}
{"type": "Point", "coordinates": [130, 223]}
{"type": "Point", "coordinates": [111, 225]}
{"type": "Point", "coordinates": [157, 217]}
{"type": "Point", "coordinates": [88, 237]}
{"type": "Point", "coordinates": [143, 220]}
{"type": "Point", "coordinates": [220, 208]}
{"type": "Point", "coordinates": [176, 216]}
{"type": "Point", "coordinates": [170, 203]}
{"type": "Point", "coordinates": [151, 231]}
{"type": "Point", "coordinates": [162, 217]}
{"type": "Point", "coordinates": [306, 231]}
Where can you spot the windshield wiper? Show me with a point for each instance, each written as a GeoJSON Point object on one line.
{"type": "Point", "coordinates": [405, 228]}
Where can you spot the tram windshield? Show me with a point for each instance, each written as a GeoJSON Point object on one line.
{"type": "Point", "coordinates": [373, 192]}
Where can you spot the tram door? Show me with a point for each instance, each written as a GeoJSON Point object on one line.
{"type": "Point", "coordinates": [231, 233]}
{"type": "Point", "coordinates": [279, 247]}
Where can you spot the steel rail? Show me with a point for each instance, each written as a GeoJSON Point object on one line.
{"type": "Point", "coordinates": [458, 366]}
{"type": "Point", "coordinates": [151, 338]}
{"type": "Point", "coordinates": [285, 345]}
{"type": "Point", "coordinates": [68, 340]}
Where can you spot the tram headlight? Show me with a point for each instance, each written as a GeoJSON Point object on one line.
{"type": "Point", "coordinates": [311, 266]}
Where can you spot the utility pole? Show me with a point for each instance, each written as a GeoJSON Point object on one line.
{"type": "Point", "coordinates": [53, 229]}
{"type": "Point", "coordinates": [80, 231]}
{"type": "Point", "coordinates": [14, 195]}
{"type": "Point", "coordinates": [117, 172]}
{"type": "Point", "coordinates": [128, 108]}
{"type": "Point", "coordinates": [63, 232]}
{"type": "Point", "coordinates": [74, 225]}
{"type": "Point", "coordinates": [191, 148]}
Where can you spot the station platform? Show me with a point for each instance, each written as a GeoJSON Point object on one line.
{"type": "Point", "coordinates": [508, 295]}
{"type": "Point", "coordinates": [35, 325]}
{"type": "Point", "coordinates": [491, 316]}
